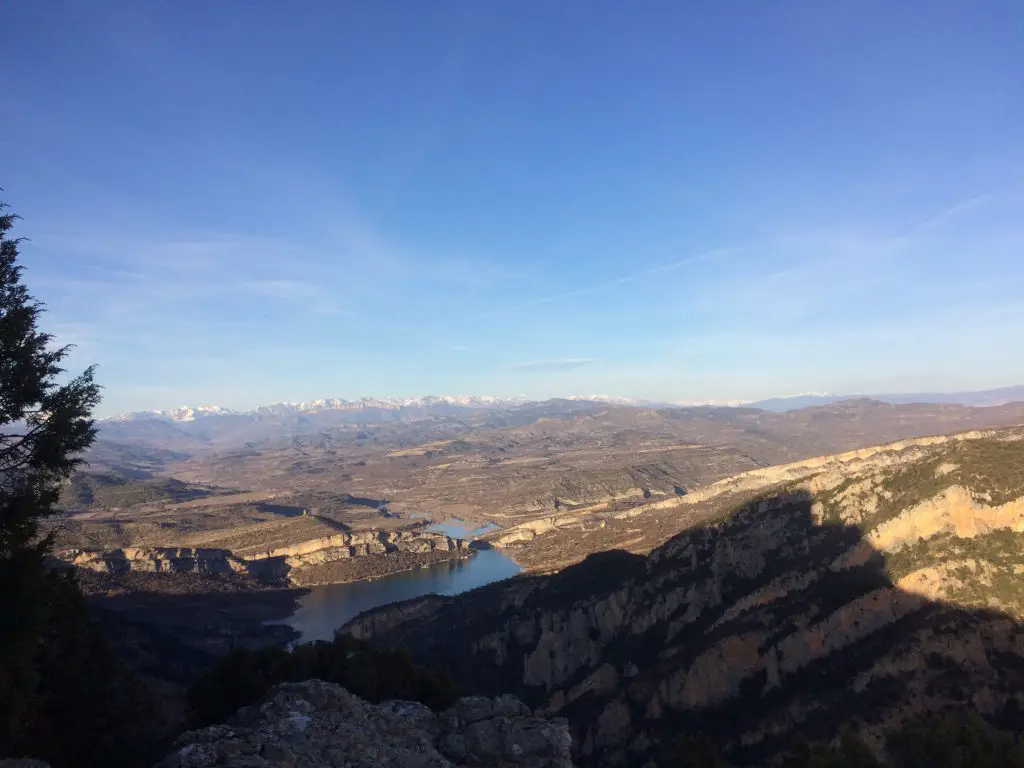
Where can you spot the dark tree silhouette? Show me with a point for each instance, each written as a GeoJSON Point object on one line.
{"type": "Point", "coordinates": [45, 424]}
{"type": "Point", "coordinates": [244, 677]}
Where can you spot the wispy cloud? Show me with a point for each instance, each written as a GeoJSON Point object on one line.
{"type": "Point", "coordinates": [715, 253]}
{"type": "Point", "coordinates": [711, 255]}
{"type": "Point", "coordinates": [558, 364]}
{"type": "Point", "coordinates": [143, 273]}
{"type": "Point", "coordinates": [954, 211]}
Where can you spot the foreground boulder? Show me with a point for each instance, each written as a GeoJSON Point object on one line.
{"type": "Point", "coordinates": [313, 724]}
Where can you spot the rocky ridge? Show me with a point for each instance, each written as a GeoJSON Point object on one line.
{"type": "Point", "coordinates": [317, 724]}
{"type": "Point", "coordinates": [557, 541]}
{"type": "Point", "coordinates": [849, 592]}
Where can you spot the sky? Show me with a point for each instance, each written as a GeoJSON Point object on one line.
{"type": "Point", "coordinates": [244, 203]}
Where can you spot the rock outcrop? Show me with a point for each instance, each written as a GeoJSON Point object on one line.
{"type": "Point", "coordinates": [851, 592]}
{"type": "Point", "coordinates": [278, 564]}
{"type": "Point", "coordinates": [321, 725]}
{"type": "Point", "coordinates": [158, 560]}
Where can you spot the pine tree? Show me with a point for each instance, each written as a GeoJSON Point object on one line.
{"type": "Point", "coordinates": [45, 425]}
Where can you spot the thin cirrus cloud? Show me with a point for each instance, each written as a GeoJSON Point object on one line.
{"type": "Point", "coordinates": [842, 251]}
{"type": "Point", "coordinates": [705, 256]}
{"type": "Point", "coordinates": [557, 364]}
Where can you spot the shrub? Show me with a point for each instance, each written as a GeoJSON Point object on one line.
{"type": "Point", "coordinates": [244, 677]}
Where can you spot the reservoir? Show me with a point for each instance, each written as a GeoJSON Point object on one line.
{"type": "Point", "coordinates": [327, 607]}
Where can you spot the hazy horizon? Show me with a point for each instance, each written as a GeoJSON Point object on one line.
{"type": "Point", "coordinates": [611, 397]}
{"type": "Point", "coordinates": [240, 205]}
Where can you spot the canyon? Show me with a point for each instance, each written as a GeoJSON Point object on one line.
{"type": "Point", "coordinates": [843, 594]}
{"type": "Point", "coordinates": [521, 469]}
{"type": "Point", "coordinates": [745, 575]}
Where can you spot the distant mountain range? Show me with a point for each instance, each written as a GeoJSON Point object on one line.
{"type": "Point", "coordinates": [449, 404]}
{"type": "Point", "coordinates": [189, 413]}
{"type": "Point", "coordinates": [977, 398]}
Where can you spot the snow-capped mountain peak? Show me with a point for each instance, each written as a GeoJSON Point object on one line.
{"type": "Point", "coordinates": [184, 413]}
{"type": "Point", "coordinates": [192, 413]}
{"type": "Point", "coordinates": [609, 399]}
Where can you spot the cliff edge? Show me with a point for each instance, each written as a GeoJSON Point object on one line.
{"type": "Point", "coordinates": [317, 724]}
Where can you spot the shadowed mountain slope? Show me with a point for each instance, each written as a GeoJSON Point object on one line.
{"type": "Point", "coordinates": [850, 599]}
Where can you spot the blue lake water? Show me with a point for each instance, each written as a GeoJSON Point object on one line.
{"type": "Point", "coordinates": [327, 607]}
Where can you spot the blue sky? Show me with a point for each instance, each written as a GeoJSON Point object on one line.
{"type": "Point", "coordinates": [240, 203]}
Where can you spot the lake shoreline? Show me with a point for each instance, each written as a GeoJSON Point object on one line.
{"type": "Point", "coordinates": [238, 611]}
{"type": "Point", "coordinates": [330, 606]}
{"type": "Point", "coordinates": [447, 557]}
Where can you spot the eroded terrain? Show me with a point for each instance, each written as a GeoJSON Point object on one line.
{"type": "Point", "coordinates": [736, 557]}
{"type": "Point", "coordinates": [854, 592]}
{"type": "Point", "coordinates": [553, 481]}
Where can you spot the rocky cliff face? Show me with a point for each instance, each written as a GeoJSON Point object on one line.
{"type": "Point", "coordinates": [852, 592]}
{"type": "Point", "coordinates": [318, 724]}
{"type": "Point", "coordinates": [553, 542]}
{"type": "Point", "coordinates": [282, 563]}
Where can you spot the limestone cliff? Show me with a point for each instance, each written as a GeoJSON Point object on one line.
{"type": "Point", "coordinates": [319, 725]}
{"type": "Point", "coordinates": [553, 542]}
{"type": "Point", "coordinates": [277, 564]}
{"type": "Point", "coordinates": [852, 592]}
